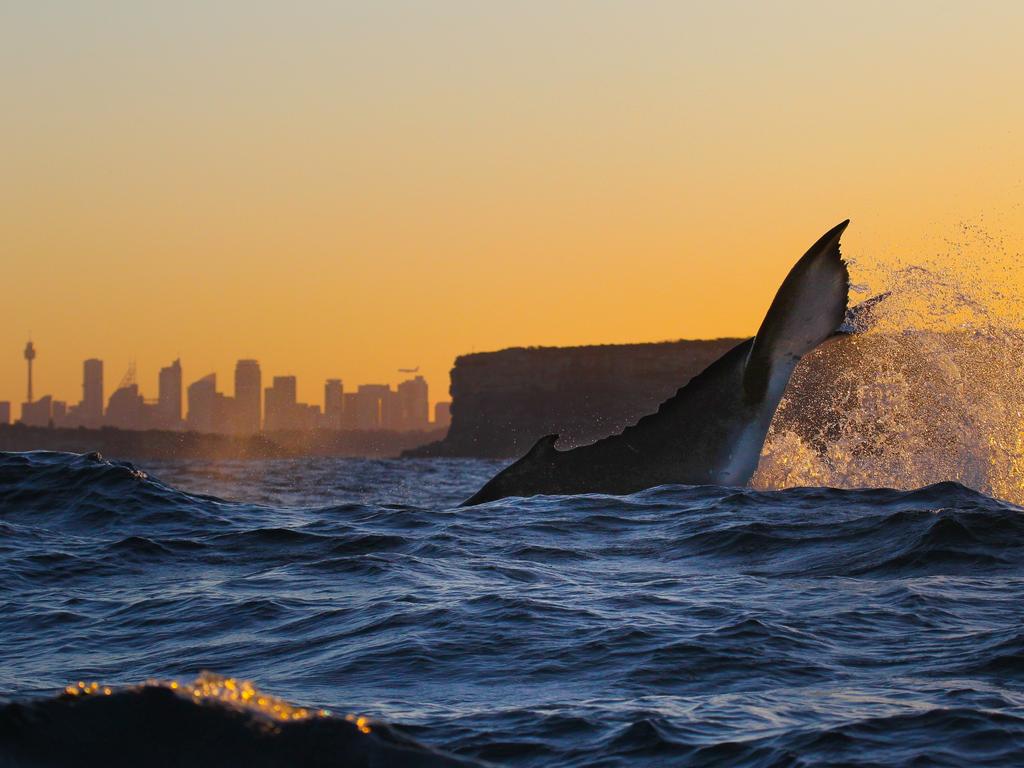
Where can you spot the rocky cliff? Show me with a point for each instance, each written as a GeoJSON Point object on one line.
{"type": "Point", "coordinates": [502, 402]}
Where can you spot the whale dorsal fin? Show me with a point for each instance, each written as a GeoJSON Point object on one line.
{"type": "Point", "coordinates": [542, 448]}
{"type": "Point", "coordinates": [808, 308]}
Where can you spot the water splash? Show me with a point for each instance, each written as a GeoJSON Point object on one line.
{"type": "Point", "coordinates": [932, 391]}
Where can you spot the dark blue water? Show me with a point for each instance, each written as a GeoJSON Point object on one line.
{"type": "Point", "coordinates": [679, 626]}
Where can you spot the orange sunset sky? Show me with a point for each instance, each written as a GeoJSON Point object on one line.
{"type": "Point", "coordinates": [343, 189]}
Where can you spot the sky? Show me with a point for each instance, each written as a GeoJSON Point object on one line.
{"type": "Point", "coordinates": [345, 189]}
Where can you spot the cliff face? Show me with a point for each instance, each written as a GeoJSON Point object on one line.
{"type": "Point", "coordinates": [502, 402]}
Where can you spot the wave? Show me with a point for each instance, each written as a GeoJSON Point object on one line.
{"type": "Point", "coordinates": [679, 625]}
{"type": "Point", "coordinates": [213, 721]}
{"type": "Point", "coordinates": [945, 528]}
{"type": "Point", "coordinates": [942, 528]}
{"type": "Point", "coordinates": [86, 491]}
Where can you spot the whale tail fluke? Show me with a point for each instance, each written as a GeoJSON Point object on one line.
{"type": "Point", "coordinates": [808, 308]}
{"type": "Point", "coordinates": [713, 428]}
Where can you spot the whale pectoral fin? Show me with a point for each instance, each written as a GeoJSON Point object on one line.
{"type": "Point", "coordinates": [808, 308]}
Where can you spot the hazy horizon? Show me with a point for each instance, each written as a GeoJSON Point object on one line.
{"type": "Point", "coordinates": [342, 190]}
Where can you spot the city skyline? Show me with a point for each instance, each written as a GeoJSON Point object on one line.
{"type": "Point", "coordinates": [60, 374]}
{"type": "Point", "coordinates": [201, 406]}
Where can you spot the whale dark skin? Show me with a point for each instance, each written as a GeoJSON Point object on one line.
{"type": "Point", "coordinates": [712, 430]}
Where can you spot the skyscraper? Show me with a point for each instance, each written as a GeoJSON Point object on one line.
{"type": "Point", "coordinates": [37, 413]}
{"type": "Point", "coordinates": [368, 405]}
{"type": "Point", "coordinates": [350, 411]}
{"type": "Point", "coordinates": [202, 404]}
{"type": "Point", "coordinates": [90, 410]}
{"type": "Point", "coordinates": [125, 409]}
{"type": "Point", "coordinates": [414, 401]}
{"type": "Point", "coordinates": [225, 414]}
{"type": "Point", "coordinates": [5, 412]}
{"type": "Point", "coordinates": [334, 398]}
{"type": "Point", "coordinates": [248, 396]}
{"type": "Point", "coordinates": [169, 396]}
{"type": "Point", "coordinates": [307, 417]}
{"type": "Point", "coordinates": [280, 404]}
{"type": "Point", "coordinates": [391, 411]}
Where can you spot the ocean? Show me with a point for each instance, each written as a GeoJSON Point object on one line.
{"type": "Point", "coordinates": [677, 626]}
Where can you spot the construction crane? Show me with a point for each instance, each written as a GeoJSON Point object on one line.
{"type": "Point", "coordinates": [129, 377]}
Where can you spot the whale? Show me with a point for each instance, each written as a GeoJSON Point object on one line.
{"type": "Point", "coordinates": [712, 430]}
